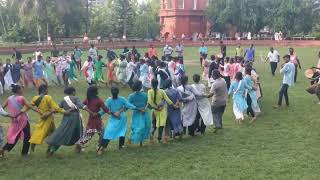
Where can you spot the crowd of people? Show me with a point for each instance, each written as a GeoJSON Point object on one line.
{"type": "Point", "coordinates": [163, 99]}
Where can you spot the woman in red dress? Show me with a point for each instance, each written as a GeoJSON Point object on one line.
{"type": "Point", "coordinates": [95, 124]}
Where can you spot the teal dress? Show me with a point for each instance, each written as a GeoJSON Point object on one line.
{"type": "Point", "coordinates": [249, 84]}
{"type": "Point", "coordinates": [72, 74]}
{"type": "Point", "coordinates": [141, 122]}
{"type": "Point", "coordinates": [238, 91]}
{"type": "Point", "coordinates": [116, 127]}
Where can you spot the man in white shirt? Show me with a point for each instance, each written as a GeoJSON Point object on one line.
{"type": "Point", "coordinates": [273, 57]}
{"type": "Point", "coordinates": [179, 50]}
{"type": "Point", "coordinates": [167, 51]}
{"type": "Point", "coordinates": [93, 52]}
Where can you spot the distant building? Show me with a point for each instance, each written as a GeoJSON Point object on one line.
{"type": "Point", "coordinates": [185, 17]}
{"type": "Point", "coordinates": [96, 2]}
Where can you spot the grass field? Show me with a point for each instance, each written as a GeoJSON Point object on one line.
{"type": "Point", "coordinates": [282, 144]}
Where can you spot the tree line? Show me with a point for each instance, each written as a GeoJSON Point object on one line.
{"type": "Point", "coordinates": [289, 16]}
{"type": "Point", "coordinates": [33, 20]}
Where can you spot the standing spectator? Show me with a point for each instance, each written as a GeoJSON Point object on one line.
{"type": "Point", "coordinates": [239, 51]}
{"type": "Point", "coordinates": [294, 59]}
{"type": "Point", "coordinates": [223, 49]}
{"type": "Point", "coordinates": [16, 54]}
{"type": "Point", "coordinates": [37, 54]}
{"type": "Point", "coordinates": [250, 54]}
{"type": "Point", "coordinates": [167, 51]}
{"type": "Point", "coordinates": [179, 51]}
{"type": "Point", "coordinates": [203, 51]}
{"type": "Point", "coordinates": [93, 53]}
{"type": "Point", "coordinates": [54, 53]}
{"type": "Point", "coordinates": [274, 58]}
{"type": "Point", "coordinates": [111, 54]}
{"type": "Point", "coordinates": [152, 52]}
{"type": "Point", "coordinates": [77, 55]}
{"type": "Point", "coordinates": [85, 38]}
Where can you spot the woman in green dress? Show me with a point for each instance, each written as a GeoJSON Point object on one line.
{"type": "Point", "coordinates": [98, 65]}
{"type": "Point", "coordinates": [71, 129]}
{"type": "Point", "coordinates": [73, 66]}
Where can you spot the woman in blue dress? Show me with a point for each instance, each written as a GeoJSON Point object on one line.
{"type": "Point", "coordinates": [141, 121]}
{"type": "Point", "coordinates": [117, 124]}
{"type": "Point", "coordinates": [174, 113]}
{"type": "Point", "coordinates": [237, 88]}
{"type": "Point", "coordinates": [252, 100]}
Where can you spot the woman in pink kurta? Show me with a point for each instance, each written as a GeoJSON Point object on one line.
{"type": "Point", "coordinates": [232, 69]}
{"type": "Point", "coordinates": [28, 73]}
{"type": "Point", "coordinates": [19, 126]}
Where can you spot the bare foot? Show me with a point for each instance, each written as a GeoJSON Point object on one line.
{"type": "Point", "coordinates": [253, 119]}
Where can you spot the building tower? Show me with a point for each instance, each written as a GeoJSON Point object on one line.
{"type": "Point", "coordinates": [179, 17]}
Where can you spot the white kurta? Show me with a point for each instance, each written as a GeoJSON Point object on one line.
{"type": "Point", "coordinates": [8, 81]}
{"type": "Point", "coordinates": [190, 107]}
{"type": "Point", "coordinates": [204, 106]}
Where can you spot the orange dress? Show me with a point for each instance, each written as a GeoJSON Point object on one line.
{"type": "Point", "coordinates": [110, 72]}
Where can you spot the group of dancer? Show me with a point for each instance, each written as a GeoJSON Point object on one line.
{"type": "Point", "coordinates": [162, 100]}
{"type": "Point", "coordinates": [57, 69]}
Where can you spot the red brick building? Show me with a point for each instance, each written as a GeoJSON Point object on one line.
{"type": "Point", "coordinates": [183, 17]}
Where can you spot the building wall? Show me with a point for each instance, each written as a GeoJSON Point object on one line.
{"type": "Point", "coordinates": [183, 17]}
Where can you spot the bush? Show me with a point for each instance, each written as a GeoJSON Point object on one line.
{"type": "Point", "coordinates": [16, 34]}
{"type": "Point", "coordinates": [316, 35]}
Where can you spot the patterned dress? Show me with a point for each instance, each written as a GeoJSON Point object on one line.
{"type": "Point", "coordinates": [95, 124]}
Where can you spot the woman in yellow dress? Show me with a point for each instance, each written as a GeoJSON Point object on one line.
{"type": "Point", "coordinates": [157, 100]}
{"type": "Point", "coordinates": [47, 106]}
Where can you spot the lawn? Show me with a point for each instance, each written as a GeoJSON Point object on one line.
{"type": "Point", "coordinates": [282, 144]}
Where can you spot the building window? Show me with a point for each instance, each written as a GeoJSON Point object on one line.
{"type": "Point", "coordinates": [168, 4]}
{"type": "Point", "coordinates": [194, 4]}
{"type": "Point", "coordinates": [180, 4]}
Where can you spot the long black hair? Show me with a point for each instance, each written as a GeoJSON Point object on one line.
{"type": "Point", "coordinates": [137, 86]}
{"type": "Point", "coordinates": [114, 92]}
{"type": "Point", "coordinates": [154, 85]}
{"type": "Point", "coordinates": [239, 76]}
{"type": "Point", "coordinates": [92, 93]}
{"type": "Point", "coordinates": [184, 81]}
{"type": "Point", "coordinates": [69, 90]}
{"type": "Point", "coordinates": [15, 88]}
{"type": "Point", "coordinates": [42, 89]}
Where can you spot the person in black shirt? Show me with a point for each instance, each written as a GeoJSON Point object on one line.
{"type": "Point", "coordinates": [223, 49]}
{"type": "Point", "coordinates": [16, 54]}
{"type": "Point", "coordinates": [214, 65]}
{"type": "Point", "coordinates": [111, 54]}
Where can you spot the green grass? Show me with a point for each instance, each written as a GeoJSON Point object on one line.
{"type": "Point", "coordinates": [282, 144]}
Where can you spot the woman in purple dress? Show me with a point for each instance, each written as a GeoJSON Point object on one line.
{"type": "Point", "coordinates": [174, 114]}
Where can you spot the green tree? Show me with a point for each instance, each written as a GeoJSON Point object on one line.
{"type": "Point", "coordinates": [123, 13]}
{"type": "Point", "coordinates": [147, 23]}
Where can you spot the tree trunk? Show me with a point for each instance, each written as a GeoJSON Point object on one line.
{"type": "Point", "coordinates": [125, 19]}
{"type": "Point", "coordinates": [4, 27]}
